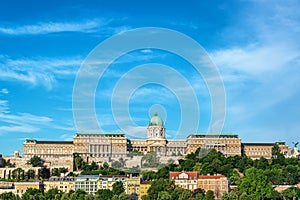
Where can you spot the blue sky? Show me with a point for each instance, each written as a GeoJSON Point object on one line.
{"type": "Point", "coordinates": [254, 44]}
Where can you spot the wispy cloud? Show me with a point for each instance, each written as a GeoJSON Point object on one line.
{"type": "Point", "coordinates": [67, 137]}
{"type": "Point", "coordinates": [22, 122]}
{"type": "Point", "coordinates": [26, 122]}
{"type": "Point", "coordinates": [256, 59]}
{"type": "Point", "coordinates": [35, 71]}
{"type": "Point", "coordinates": [4, 91]}
{"type": "Point", "coordinates": [267, 68]}
{"type": "Point", "coordinates": [52, 27]}
{"type": "Point", "coordinates": [95, 26]}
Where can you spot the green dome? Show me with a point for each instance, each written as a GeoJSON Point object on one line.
{"type": "Point", "coordinates": [156, 121]}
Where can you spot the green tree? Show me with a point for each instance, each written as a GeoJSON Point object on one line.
{"type": "Point", "coordinates": [124, 196]}
{"type": "Point", "coordinates": [118, 188]}
{"type": "Point", "coordinates": [89, 197]}
{"type": "Point", "coordinates": [2, 162]}
{"type": "Point", "coordinates": [255, 182]}
{"type": "Point", "coordinates": [180, 193]}
{"type": "Point", "coordinates": [209, 195]}
{"type": "Point", "coordinates": [44, 173]}
{"type": "Point", "coordinates": [277, 156]}
{"type": "Point", "coordinates": [291, 174]}
{"type": "Point", "coordinates": [32, 194]}
{"type": "Point", "coordinates": [150, 160]}
{"type": "Point", "coordinates": [30, 174]}
{"type": "Point", "coordinates": [148, 175]}
{"type": "Point", "coordinates": [9, 196]}
{"type": "Point", "coordinates": [199, 196]}
{"type": "Point", "coordinates": [53, 193]}
{"type": "Point", "coordinates": [185, 194]}
{"type": "Point", "coordinates": [77, 195]}
{"type": "Point", "coordinates": [18, 174]}
{"type": "Point", "coordinates": [245, 196]}
{"type": "Point", "coordinates": [160, 185]}
{"type": "Point", "coordinates": [104, 194]}
{"type": "Point", "coordinates": [36, 161]}
{"type": "Point", "coordinates": [198, 191]}
{"type": "Point", "coordinates": [116, 164]}
{"type": "Point", "coordinates": [291, 193]}
{"type": "Point", "coordinates": [276, 195]}
{"type": "Point", "coordinates": [275, 176]}
{"type": "Point", "coordinates": [78, 161]}
{"type": "Point", "coordinates": [105, 165]}
{"type": "Point", "coordinates": [164, 195]}
{"type": "Point", "coordinates": [197, 167]}
{"type": "Point", "coordinates": [261, 163]}
{"type": "Point", "coordinates": [230, 196]}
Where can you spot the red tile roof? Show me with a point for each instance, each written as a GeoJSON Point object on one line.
{"type": "Point", "coordinates": [195, 174]}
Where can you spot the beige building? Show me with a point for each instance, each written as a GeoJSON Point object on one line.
{"type": "Point", "coordinates": [228, 144]}
{"type": "Point", "coordinates": [64, 184]}
{"type": "Point", "coordinates": [21, 187]}
{"type": "Point", "coordinates": [55, 153]}
{"type": "Point", "coordinates": [106, 182]}
{"type": "Point", "coordinates": [132, 184]}
{"type": "Point", "coordinates": [257, 150]}
{"type": "Point", "coordinates": [99, 145]}
{"type": "Point", "coordinates": [102, 147]}
{"type": "Point", "coordinates": [144, 186]}
{"type": "Point", "coordinates": [192, 180]}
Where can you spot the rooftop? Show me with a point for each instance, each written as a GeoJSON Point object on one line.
{"type": "Point", "coordinates": [100, 133]}
{"type": "Point", "coordinates": [156, 121]}
{"type": "Point", "coordinates": [257, 144]}
{"type": "Point", "coordinates": [213, 135]}
{"type": "Point", "coordinates": [47, 141]}
{"type": "Point", "coordinates": [195, 174]}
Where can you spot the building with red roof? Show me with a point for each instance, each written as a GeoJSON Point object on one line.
{"type": "Point", "coordinates": [192, 180]}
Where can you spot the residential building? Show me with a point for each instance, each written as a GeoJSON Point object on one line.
{"type": "Point", "coordinates": [192, 180]}
{"type": "Point", "coordinates": [7, 187]}
{"type": "Point", "coordinates": [87, 183]}
{"type": "Point", "coordinates": [21, 187]}
{"type": "Point", "coordinates": [64, 183]}
{"type": "Point", "coordinates": [106, 182]}
{"type": "Point", "coordinates": [132, 185]}
{"type": "Point", "coordinates": [217, 183]}
{"type": "Point", "coordinates": [144, 186]}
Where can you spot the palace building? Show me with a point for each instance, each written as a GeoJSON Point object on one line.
{"type": "Point", "coordinates": [96, 146]}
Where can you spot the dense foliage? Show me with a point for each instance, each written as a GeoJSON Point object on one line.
{"type": "Point", "coordinates": [254, 179]}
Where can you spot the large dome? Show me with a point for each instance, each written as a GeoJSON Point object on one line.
{"type": "Point", "coordinates": [156, 121]}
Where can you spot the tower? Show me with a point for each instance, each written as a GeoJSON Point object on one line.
{"type": "Point", "coordinates": [156, 128]}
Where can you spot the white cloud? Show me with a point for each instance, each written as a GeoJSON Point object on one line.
{"type": "Point", "coordinates": [25, 122]}
{"type": "Point", "coordinates": [67, 137]}
{"type": "Point", "coordinates": [52, 27]}
{"type": "Point", "coordinates": [20, 129]}
{"type": "Point", "coordinates": [255, 59]}
{"type": "Point", "coordinates": [95, 26]}
{"type": "Point", "coordinates": [136, 131]}
{"type": "Point", "coordinates": [3, 106]}
{"type": "Point", "coordinates": [266, 67]}
{"type": "Point", "coordinates": [35, 71]}
{"type": "Point", "coordinates": [4, 91]}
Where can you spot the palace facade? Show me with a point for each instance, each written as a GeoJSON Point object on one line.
{"type": "Point", "coordinates": [96, 146]}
